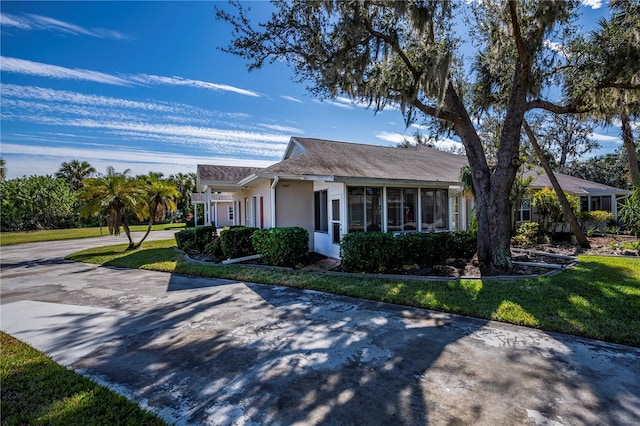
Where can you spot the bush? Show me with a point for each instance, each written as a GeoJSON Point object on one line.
{"type": "Point", "coordinates": [186, 240]}
{"type": "Point", "coordinates": [204, 236]}
{"type": "Point", "coordinates": [236, 242]}
{"type": "Point", "coordinates": [196, 238]}
{"type": "Point", "coordinates": [369, 252]}
{"type": "Point", "coordinates": [282, 246]}
{"type": "Point", "coordinates": [382, 252]}
{"type": "Point", "coordinates": [528, 234]}
{"type": "Point", "coordinates": [630, 212]}
{"type": "Point", "coordinates": [214, 248]}
{"type": "Point", "coordinates": [595, 220]}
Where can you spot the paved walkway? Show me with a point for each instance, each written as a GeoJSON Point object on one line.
{"type": "Point", "coordinates": [206, 351]}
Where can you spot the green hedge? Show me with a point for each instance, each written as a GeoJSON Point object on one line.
{"type": "Point", "coordinates": [282, 246]}
{"type": "Point", "coordinates": [385, 252]}
{"type": "Point", "coordinates": [236, 242]}
{"type": "Point", "coordinates": [196, 238]}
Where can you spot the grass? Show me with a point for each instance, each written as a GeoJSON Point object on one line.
{"type": "Point", "coordinates": [36, 390]}
{"type": "Point", "coordinates": [599, 298]}
{"type": "Point", "coordinates": [10, 238]}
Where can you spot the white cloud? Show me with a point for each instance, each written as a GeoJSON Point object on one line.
{"type": "Point", "coordinates": [291, 98]}
{"type": "Point", "coordinates": [180, 81]}
{"type": "Point", "coordinates": [45, 23]}
{"type": "Point", "coordinates": [21, 66]}
{"type": "Point", "coordinates": [391, 137]}
{"type": "Point", "coordinates": [605, 138]}
{"type": "Point", "coordinates": [280, 128]}
{"type": "Point", "coordinates": [7, 20]}
{"type": "Point", "coordinates": [594, 4]}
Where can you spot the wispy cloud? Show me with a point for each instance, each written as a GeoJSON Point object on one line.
{"type": "Point", "coordinates": [605, 138]}
{"type": "Point", "coordinates": [291, 98]}
{"type": "Point", "coordinates": [180, 81]}
{"type": "Point", "coordinates": [33, 22]}
{"type": "Point", "coordinates": [281, 128]}
{"type": "Point", "coordinates": [391, 137]}
{"type": "Point", "coordinates": [22, 66]}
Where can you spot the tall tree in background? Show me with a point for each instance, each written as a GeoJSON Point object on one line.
{"type": "Point", "coordinates": [117, 195]}
{"type": "Point", "coordinates": [75, 172]}
{"type": "Point", "coordinates": [406, 53]}
{"type": "Point", "coordinates": [186, 185]}
{"type": "Point", "coordinates": [605, 74]}
{"type": "Point", "coordinates": [3, 170]}
{"type": "Point", "coordinates": [566, 138]}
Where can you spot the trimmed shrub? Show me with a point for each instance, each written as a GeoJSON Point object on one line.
{"type": "Point", "coordinates": [186, 239]}
{"type": "Point", "coordinates": [236, 242]}
{"type": "Point", "coordinates": [462, 244]}
{"type": "Point", "coordinates": [288, 246]}
{"type": "Point", "coordinates": [369, 252]}
{"type": "Point", "coordinates": [382, 252]}
{"type": "Point", "coordinates": [527, 235]}
{"type": "Point", "coordinates": [214, 248]}
{"type": "Point", "coordinates": [204, 235]}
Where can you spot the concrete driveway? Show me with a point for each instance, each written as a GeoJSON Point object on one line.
{"type": "Point", "coordinates": [207, 351]}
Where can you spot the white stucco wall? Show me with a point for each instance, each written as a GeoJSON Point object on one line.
{"type": "Point", "coordinates": [294, 206]}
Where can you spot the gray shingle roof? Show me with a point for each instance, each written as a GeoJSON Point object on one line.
{"type": "Point", "coordinates": [570, 184]}
{"type": "Point", "coordinates": [228, 174]}
{"type": "Point", "coordinates": [350, 160]}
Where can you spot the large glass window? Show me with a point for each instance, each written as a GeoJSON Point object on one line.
{"type": "Point", "coordinates": [435, 207]}
{"type": "Point", "coordinates": [320, 208]}
{"type": "Point", "coordinates": [364, 206]}
{"type": "Point", "coordinates": [401, 209]}
{"type": "Point", "coordinates": [524, 213]}
{"type": "Point", "coordinates": [595, 203]}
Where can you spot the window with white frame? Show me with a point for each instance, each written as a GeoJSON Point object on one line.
{"type": "Point", "coordinates": [230, 213]}
{"type": "Point", "coordinates": [524, 212]}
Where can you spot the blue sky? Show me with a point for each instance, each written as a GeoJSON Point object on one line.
{"type": "Point", "coordinates": [143, 85]}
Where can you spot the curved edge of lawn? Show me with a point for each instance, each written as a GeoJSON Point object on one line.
{"type": "Point", "coordinates": [36, 390]}
{"type": "Point", "coordinates": [599, 298]}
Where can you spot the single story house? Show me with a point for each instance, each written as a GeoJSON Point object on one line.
{"type": "Point", "coordinates": [332, 188]}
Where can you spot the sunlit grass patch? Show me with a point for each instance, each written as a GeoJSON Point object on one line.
{"type": "Point", "coordinates": [36, 390]}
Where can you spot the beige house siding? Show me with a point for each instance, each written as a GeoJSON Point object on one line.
{"type": "Point", "coordinates": [294, 206]}
{"type": "Point", "coordinates": [249, 209]}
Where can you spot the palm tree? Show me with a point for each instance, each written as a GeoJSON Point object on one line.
{"type": "Point", "coordinates": [160, 197]}
{"type": "Point", "coordinates": [186, 185]}
{"type": "Point", "coordinates": [74, 172]}
{"type": "Point", "coordinates": [116, 195]}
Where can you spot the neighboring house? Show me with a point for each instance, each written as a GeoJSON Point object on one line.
{"type": "Point", "coordinates": [220, 211]}
{"type": "Point", "coordinates": [332, 188]}
{"type": "Point", "coordinates": [591, 195]}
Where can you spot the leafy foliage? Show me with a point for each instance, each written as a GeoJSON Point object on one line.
{"type": "Point", "coordinates": [36, 202]}
{"type": "Point", "coordinates": [630, 212]}
{"type": "Point", "coordinates": [285, 246]}
{"type": "Point", "coordinates": [237, 242]}
{"type": "Point", "coordinates": [196, 238]}
{"type": "Point", "coordinates": [75, 172]}
{"type": "Point", "coordinates": [384, 252]}
{"type": "Point", "coordinates": [549, 209]}
{"type": "Point", "coordinates": [527, 235]}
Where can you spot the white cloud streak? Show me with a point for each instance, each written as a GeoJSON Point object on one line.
{"type": "Point", "coordinates": [35, 22]}
{"type": "Point", "coordinates": [291, 98]}
{"type": "Point", "coordinates": [22, 66]}
{"type": "Point", "coordinates": [605, 138]}
{"type": "Point", "coordinates": [280, 128]}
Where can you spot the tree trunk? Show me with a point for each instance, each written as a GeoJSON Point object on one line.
{"type": "Point", "coordinates": [146, 233]}
{"type": "Point", "coordinates": [491, 191]}
{"type": "Point", "coordinates": [627, 140]}
{"type": "Point", "coordinates": [127, 231]}
{"type": "Point", "coordinates": [566, 207]}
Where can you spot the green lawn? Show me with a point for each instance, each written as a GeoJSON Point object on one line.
{"type": "Point", "coordinates": [599, 298]}
{"type": "Point", "coordinates": [37, 391]}
{"type": "Point", "coordinates": [10, 238]}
